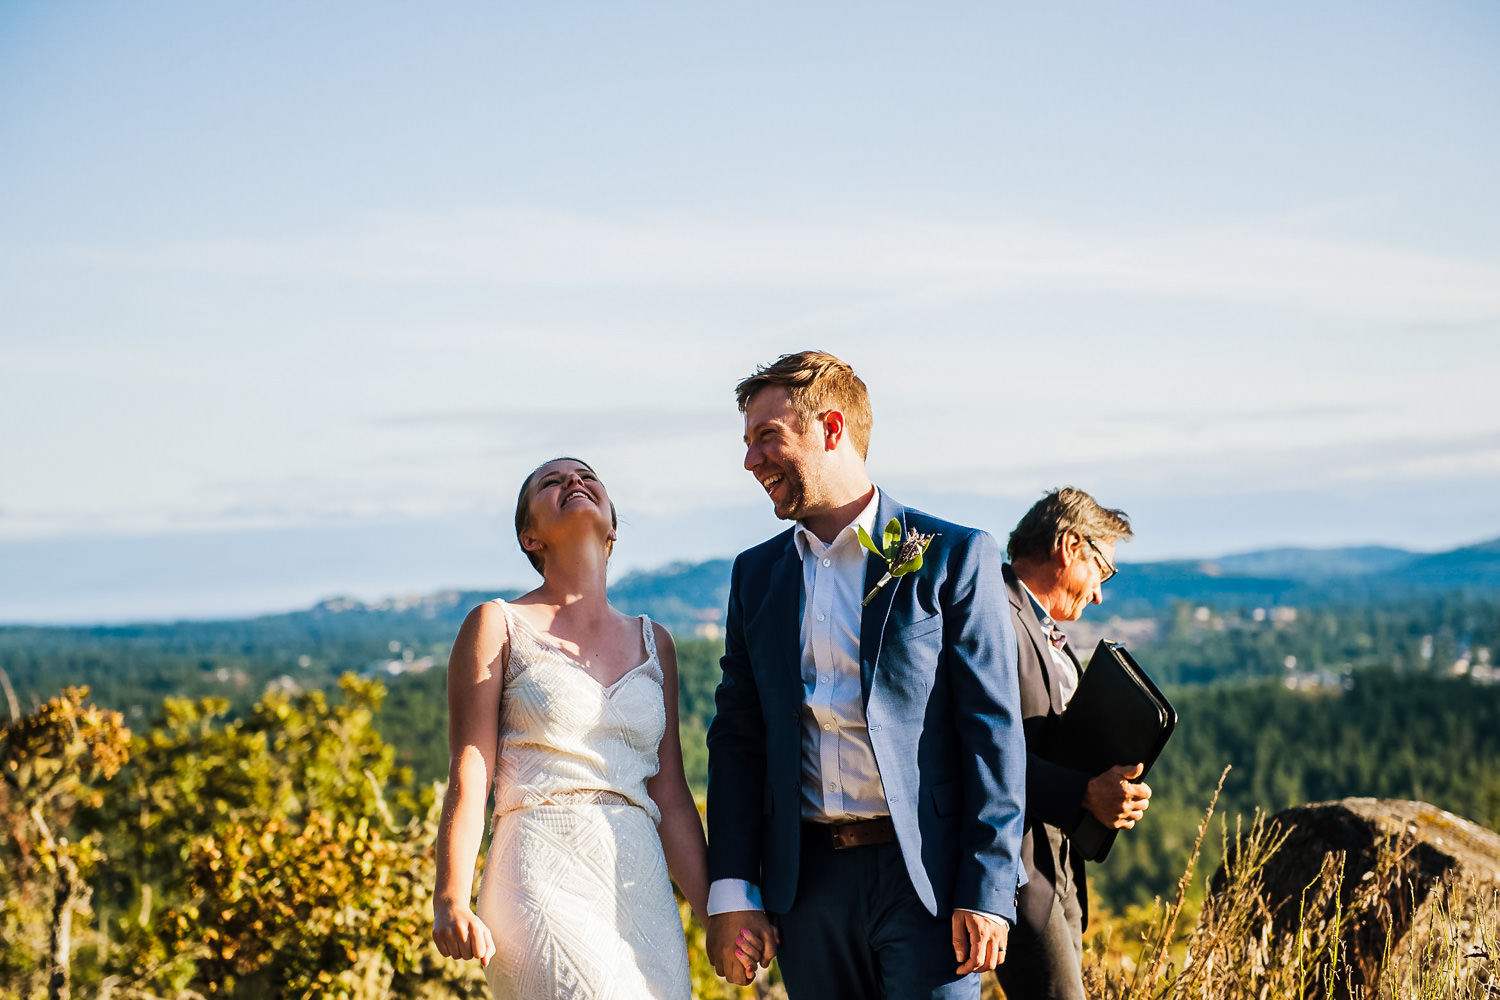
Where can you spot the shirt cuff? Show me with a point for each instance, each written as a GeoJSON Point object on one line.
{"type": "Point", "coordinates": [726, 895]}
{"type": "Point", "coordinates": [956, 909]}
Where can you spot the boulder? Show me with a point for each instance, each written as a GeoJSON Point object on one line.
{"type": "Point", "coordinates": [1380, 890]}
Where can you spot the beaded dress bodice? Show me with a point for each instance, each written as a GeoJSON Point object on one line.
{"type": "Point", "coordinates": [565, 738]}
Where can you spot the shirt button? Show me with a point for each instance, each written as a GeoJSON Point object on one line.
{"type": "Point", "coordinates": [827, 562]}
{"type": "Point", "coordinates": [827, 727]}
{"type": "Point", "coordinates": [826, 679]}
{"type": "Point", "coordinates": [822, 617]}
{"type": "Point", "coordinates": [832, 787]}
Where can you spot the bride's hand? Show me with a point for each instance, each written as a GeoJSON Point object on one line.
{"type": "Point", "coordinates": [754, 950]}
{"type": "Point", "coordinates": [458, 933]}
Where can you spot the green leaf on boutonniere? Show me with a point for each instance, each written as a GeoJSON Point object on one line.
{"type": "Point", "coordinates": [910, 566]}
{"type": "Point", "coordinates": [902, 556]}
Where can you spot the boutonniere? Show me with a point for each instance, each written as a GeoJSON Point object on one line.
{"type": "Point", "coordinates": [901, 555]}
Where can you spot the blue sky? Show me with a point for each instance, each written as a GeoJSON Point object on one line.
{"type": "Point", "coordinates": [292, 296]}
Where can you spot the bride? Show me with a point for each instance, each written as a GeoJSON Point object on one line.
{"type": "Point", "coordinates": [570, 709]}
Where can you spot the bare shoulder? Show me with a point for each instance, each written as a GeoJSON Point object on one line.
{"type": "Point", "coordinates": [663, 638]}
{"type": "Point", "coordinates": [487, 619]}
{"type": "Point", "coordinates": [482, 637]}
{"type": "Point", "coordinates": [666, 650]}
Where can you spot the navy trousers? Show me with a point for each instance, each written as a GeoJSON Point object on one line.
{"type": "Point", "coordinates": [857, 931]}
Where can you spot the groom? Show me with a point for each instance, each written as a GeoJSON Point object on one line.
{"type": "Point", "coordinates": [866, 764]}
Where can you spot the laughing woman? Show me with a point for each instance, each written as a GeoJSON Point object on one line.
{"type": "Point", "coordinates": [569, 708]}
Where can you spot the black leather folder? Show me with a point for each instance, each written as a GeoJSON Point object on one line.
{"type": "Point", "coordinates": [1117, 716]}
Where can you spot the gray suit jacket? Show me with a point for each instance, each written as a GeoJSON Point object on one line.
{"type": "Point", "coordinates": [1054, 794]}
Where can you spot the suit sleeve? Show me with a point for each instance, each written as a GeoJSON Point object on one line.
{"type": "Point", "coordinates": [1054, 793]}
{"type": "Point", "coordinates": [987, 721]}
{"type": "Point", "coordinates": [736, 755]}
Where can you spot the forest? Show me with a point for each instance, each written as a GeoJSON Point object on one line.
{"type": "Point", "coordinates": [246, 808]}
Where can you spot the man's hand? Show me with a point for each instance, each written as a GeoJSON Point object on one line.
{"type": "Point", "coordinates": [738, 941]}
{"type": "Point", "coordinates": [458, 933]}
{"type": "Point", "coordinates": [1116, 799]}
{"type": "Point", "coordinates": [978, 941]}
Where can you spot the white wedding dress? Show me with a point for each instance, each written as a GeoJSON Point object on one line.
{"type": "Point", "coordinates": [575, 888]}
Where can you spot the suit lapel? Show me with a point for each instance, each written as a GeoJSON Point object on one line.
{"type": "Point", "coordinates": [874, 616]}
{"type": "Point", "coordinates": [782, 613]}
{"type": "Point", "coordinates": [1021, 601]}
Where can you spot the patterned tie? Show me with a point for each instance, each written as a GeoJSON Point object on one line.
{"type": "Point", "coordinates": [1065, 677]}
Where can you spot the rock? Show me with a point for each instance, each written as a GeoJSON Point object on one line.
{"type": "Point", "coordinates": [1417, 882]}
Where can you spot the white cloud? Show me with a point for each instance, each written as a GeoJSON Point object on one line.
{"type": "Point", "coordinates": [900, 258]}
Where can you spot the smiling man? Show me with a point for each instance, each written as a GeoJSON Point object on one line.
{"type": "Point", "coordinates": [1062, 553]}
{"type": "Point", "coordinates": [866, 763]}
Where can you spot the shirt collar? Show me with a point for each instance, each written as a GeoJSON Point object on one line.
{"type": "Point", "coordinates": [1043, 617]}
{"type": "Point", "coordinates": [866, 519]}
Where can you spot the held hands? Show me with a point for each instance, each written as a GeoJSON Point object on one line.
{"type": "Point", "coordinates": [458, 933]}
{"type": "Point", "coordinates": [738, 942]}
{"type": "Point", "coordinates": [1116, 799]}
{"type": "Point", "coordinates": [979, 941]}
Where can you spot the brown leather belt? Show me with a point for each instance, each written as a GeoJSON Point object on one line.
{"type": "Point", "coordinates": [856, 833]}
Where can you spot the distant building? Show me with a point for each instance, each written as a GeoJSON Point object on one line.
{"type": "Point", "coordinates": [395, 668]}
{"type": "Point", "coordinates": [284, 685]}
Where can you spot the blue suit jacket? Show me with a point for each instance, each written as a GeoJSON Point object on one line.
{"type": "Point", "coordinates": [938, 668]}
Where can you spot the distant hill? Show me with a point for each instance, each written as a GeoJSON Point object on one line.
{"type": "Point", "coordinates": [1305, 577]}
{"type": "Point", "coordinates": [1385, 607]}
{"type": "Point", "coordinates": [1314, 564]}
{"type": "Point", "coordinates": [1142, 588]}
{"type": "Point", "coordinates": [685, 597]}
{"type": "Point", "coordinates": [680, 595]}
{"type": "Point", "coordinates": [1474, 566]}
{"type": "Point", "coordinates": [689, 598]}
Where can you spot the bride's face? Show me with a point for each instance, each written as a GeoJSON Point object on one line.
{"type": "Point", "coordinates": [567, 498]}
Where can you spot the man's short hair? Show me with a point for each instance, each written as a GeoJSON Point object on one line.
{"type": "Point", "coordinates": [815, 382]}
{"type": "Point", "coordinates": [1041, 529]}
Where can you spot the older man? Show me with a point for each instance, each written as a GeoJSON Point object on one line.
{"type": "Point", "coordinates": [1061, 554]}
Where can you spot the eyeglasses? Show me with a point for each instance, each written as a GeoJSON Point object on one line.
{"type": "Point", "coordinates": [1109, 567]}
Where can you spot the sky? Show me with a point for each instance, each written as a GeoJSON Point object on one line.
{"type": "Point", "coordinates": [293, 296]}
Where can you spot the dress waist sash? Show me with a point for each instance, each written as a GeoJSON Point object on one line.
{"type": "Point", "coordinates": [577, 797]}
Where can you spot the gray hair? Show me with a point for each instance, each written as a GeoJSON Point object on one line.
{"type": "Point", "coordinates": [1041, 529]}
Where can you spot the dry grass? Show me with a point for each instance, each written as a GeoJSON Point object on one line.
{"type": "Point", "coordinates": [1341, 941]}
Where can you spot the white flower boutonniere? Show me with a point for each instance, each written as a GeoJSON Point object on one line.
{"type": "Point", "coordinates": [901, 555]}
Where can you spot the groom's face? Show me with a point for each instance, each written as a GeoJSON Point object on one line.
{"type": "Point", "coordinates": [785, 457]}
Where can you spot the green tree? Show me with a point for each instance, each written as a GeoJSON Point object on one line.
{"type": "Point", "coordinates": [277, 865]}
{"type": "Point", "coordinates": [52, 764]}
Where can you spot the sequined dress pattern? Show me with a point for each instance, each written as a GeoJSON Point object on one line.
{"type": "Point", "coordinates": [575, 889]}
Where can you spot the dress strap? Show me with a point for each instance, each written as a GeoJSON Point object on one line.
{"type": "Point", "coordinates": [510, 635]}
{"type": "Point", "coordinates": [649, 634]}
